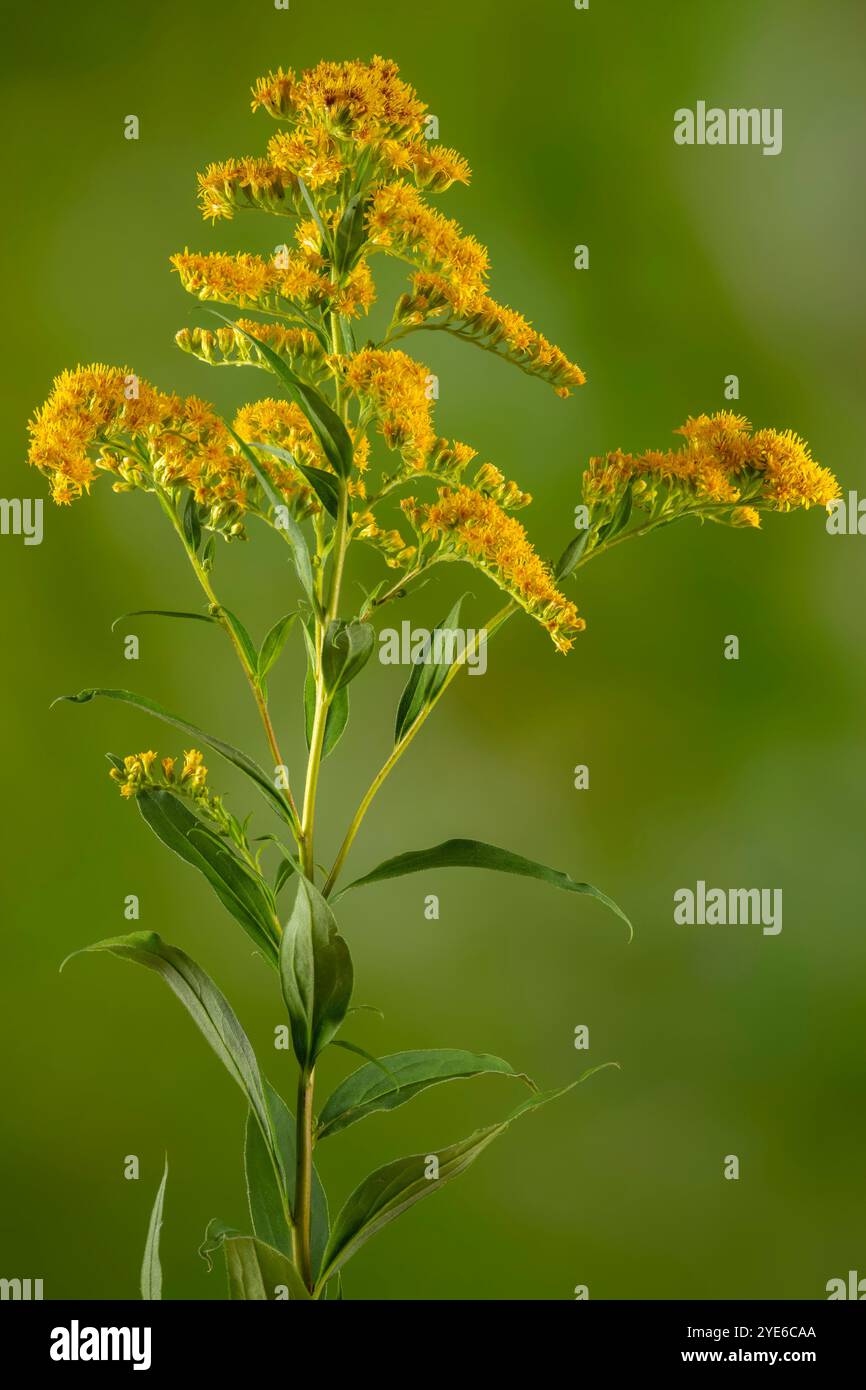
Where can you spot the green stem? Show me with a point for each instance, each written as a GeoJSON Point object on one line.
{"type": "Point", "coordinates": [399, 748]}
{"type": "Point", "coordinates": [261, 703]}
{"type": "Point", "coordinates": [320, 717]}
{"type": "Point", "coordinates": [301, 1241]}
{"type": "Point", "coordinates": [306, 1081]}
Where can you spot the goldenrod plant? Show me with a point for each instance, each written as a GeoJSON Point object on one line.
{"type": "Point", "coordinates": [343, 450]}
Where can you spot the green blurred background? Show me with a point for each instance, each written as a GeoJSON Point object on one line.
{"type": "Point", "coordinates": [703, 262]}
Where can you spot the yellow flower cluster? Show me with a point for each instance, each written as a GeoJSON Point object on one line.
{"type": "Point", "coordinates": [252, 282]}
{"type": "Point", "coordinates": [477, 317]}
{"type": "Point", "coordinates": [723, 463]}
{"type": "Point", "coordinates": [390, 543]}
{"type": "Point", "coordinates": [139, 771]}
{"type": "Point", "coordinates": [312, 155]}
{"type": "Point", "coordinates": [361, 101]}
{"type": "Point", "coordinates": [473, 526]}
{"type": "Point", "coordinates": [298, 347]}
{"type": "Point", "coordinates": [505, 494]}
{"type": "Point", "coordinates": [397, 388]}
{"type": "Point", "coordinates": [400, 222]}
{"type": "Point", "coordinates": [284, 424]}
{"type": "Point", "coordinates": [247, 183]}
{"type": "Point", "coordinates": [447, 461]}
{"type": "Point", "coordinates": [105, 419]}
{"type": "Point", "coordinates": [340, 113]}
{"type": "Point", "coordinates": [199, 453]}
{"type": "Point", "coordinates": [433, 167]}
{"type": "Point", "coordinates": [92, 414]}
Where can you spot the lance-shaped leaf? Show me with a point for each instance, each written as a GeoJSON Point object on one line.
{"type": "Point", "coordinates": [428, 675]}
{"type": "Point", "coordinates": [325, 485]}
{"type": "Point", "coordinates": [346, 649]}
{"type": "Point", "coordinates": [327, 426]}
{"type": "Point", "coordinates": [271, 1198]}
{"type": "Point", "coordinates": [406, 1074]}
{"type": "Point", "coordinates": [391, 1190]}
{"type": "Point", "coordinates": [336, 719]}
{"type": "Point", "coordinates": [351, 233]}
{"type": "Point", "coordinates": [285, 522]}
{"type": "Point", "coordinates": [242, 891]}
{"type": "Point", "coordinates": [232, 755]}
{"type": "Point", "coordinates": [191, 522]}
{"type": "Point", "coordinates": [314, 213]}
{"type": "Point", "coordinates": [348, 335]}
{"type": "Point", "coordinates": [316, 973]}
{"type": "Point", "coordinates": [620, 518]}
{"type": "Point", "coordinates": [338, 709]}
{"type": "Point", "coordinates": [570, 556]}
{"type": "Point", "coordinates": [475, 854]}
{"type": "Point", "coordinates": [256, 1271]}
{"type": "Point", "coordinates": [165, 613]}
{"type": "Point", "coordinates": [273, 644]}
{"type": "Point", "coordinates": [287, 866]}
{"type": "Point", "coordinates": [207, 1006]}
{"type": "Point", "coordinates": [241, 636]}
{"type": "Point", "coordinates": [151, 1269]}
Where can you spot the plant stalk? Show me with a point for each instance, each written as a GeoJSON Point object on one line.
{"type": "Point", "coordinates": [301, 1241]}
{"type": "Point", "coordinates": [399, 748]}
{"type": "Point", "coordinates": [301, 1238]}
{"type": "Point", "coordinates": [261, 704]}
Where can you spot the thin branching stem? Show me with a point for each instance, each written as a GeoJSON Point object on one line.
{"type": "Point", "coordinates": [261, 703]}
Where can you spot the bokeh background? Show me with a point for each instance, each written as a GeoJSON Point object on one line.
{"type": "Point", "coordinates": [703, 262]}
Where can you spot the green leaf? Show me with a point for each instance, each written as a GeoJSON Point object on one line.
{"type": "Point", "coordinates": [377, 1062]}
{"type": "Point", "coordinates": [391, 1190]}
{"type": "Point", "coordinates": [314, 213]}
{"type": "Point", "coordinates": [274, 643]}
{"type": "Point", "coordinates": [164, 613]}
{"type": "Point", "coordinates": [191, 523]}
{"type": "Point", "coordinates": [348, 332]}
{"type": "Point", "coordinates": [267, 1198]}
{"type": "Point", "coordinates": [287, 866]}
{"type": "Point", "coordinates": [620, 518]}
{"type": "Point", "coordinates": [256, 1271]}
{"type": "Point", "coordinates": [475, 854]}
{"type": "Point", "coordinates": [351, 233]}
{"type": "Point", "coordinates": [241, 635]}
{"type": "Point", "coordinates": [270, 1199]}
{"type": "Point", "coordinates": [329, 429]}
{"type": "Point", "coordinates": [316, 973]}
{"type": "Point", "coordinates": [367, 1090]}
{"type": "Point", "coordinates": [426, 678]}
{"type": "Point", "coordinates": [151, 1269]}
{"type": "Point", "coordinates": [324, 484]}
{"type": "Point", "coordinates": [346, 649]}
{"type": "Point", "coordinates": [336, 720]}
{"type": "Point", "coordinates": [338, 710]}
{"type": "Point", "coordinates": [232, 755]}
{"type": "Point", "coordinates": [286, 522]}
{"type": "Point", "coordinates": [570, 556]}
{"type": "Point", "coordinates": [241, 891]}
{"type": "Point", "coordinates": [207, 1006]}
